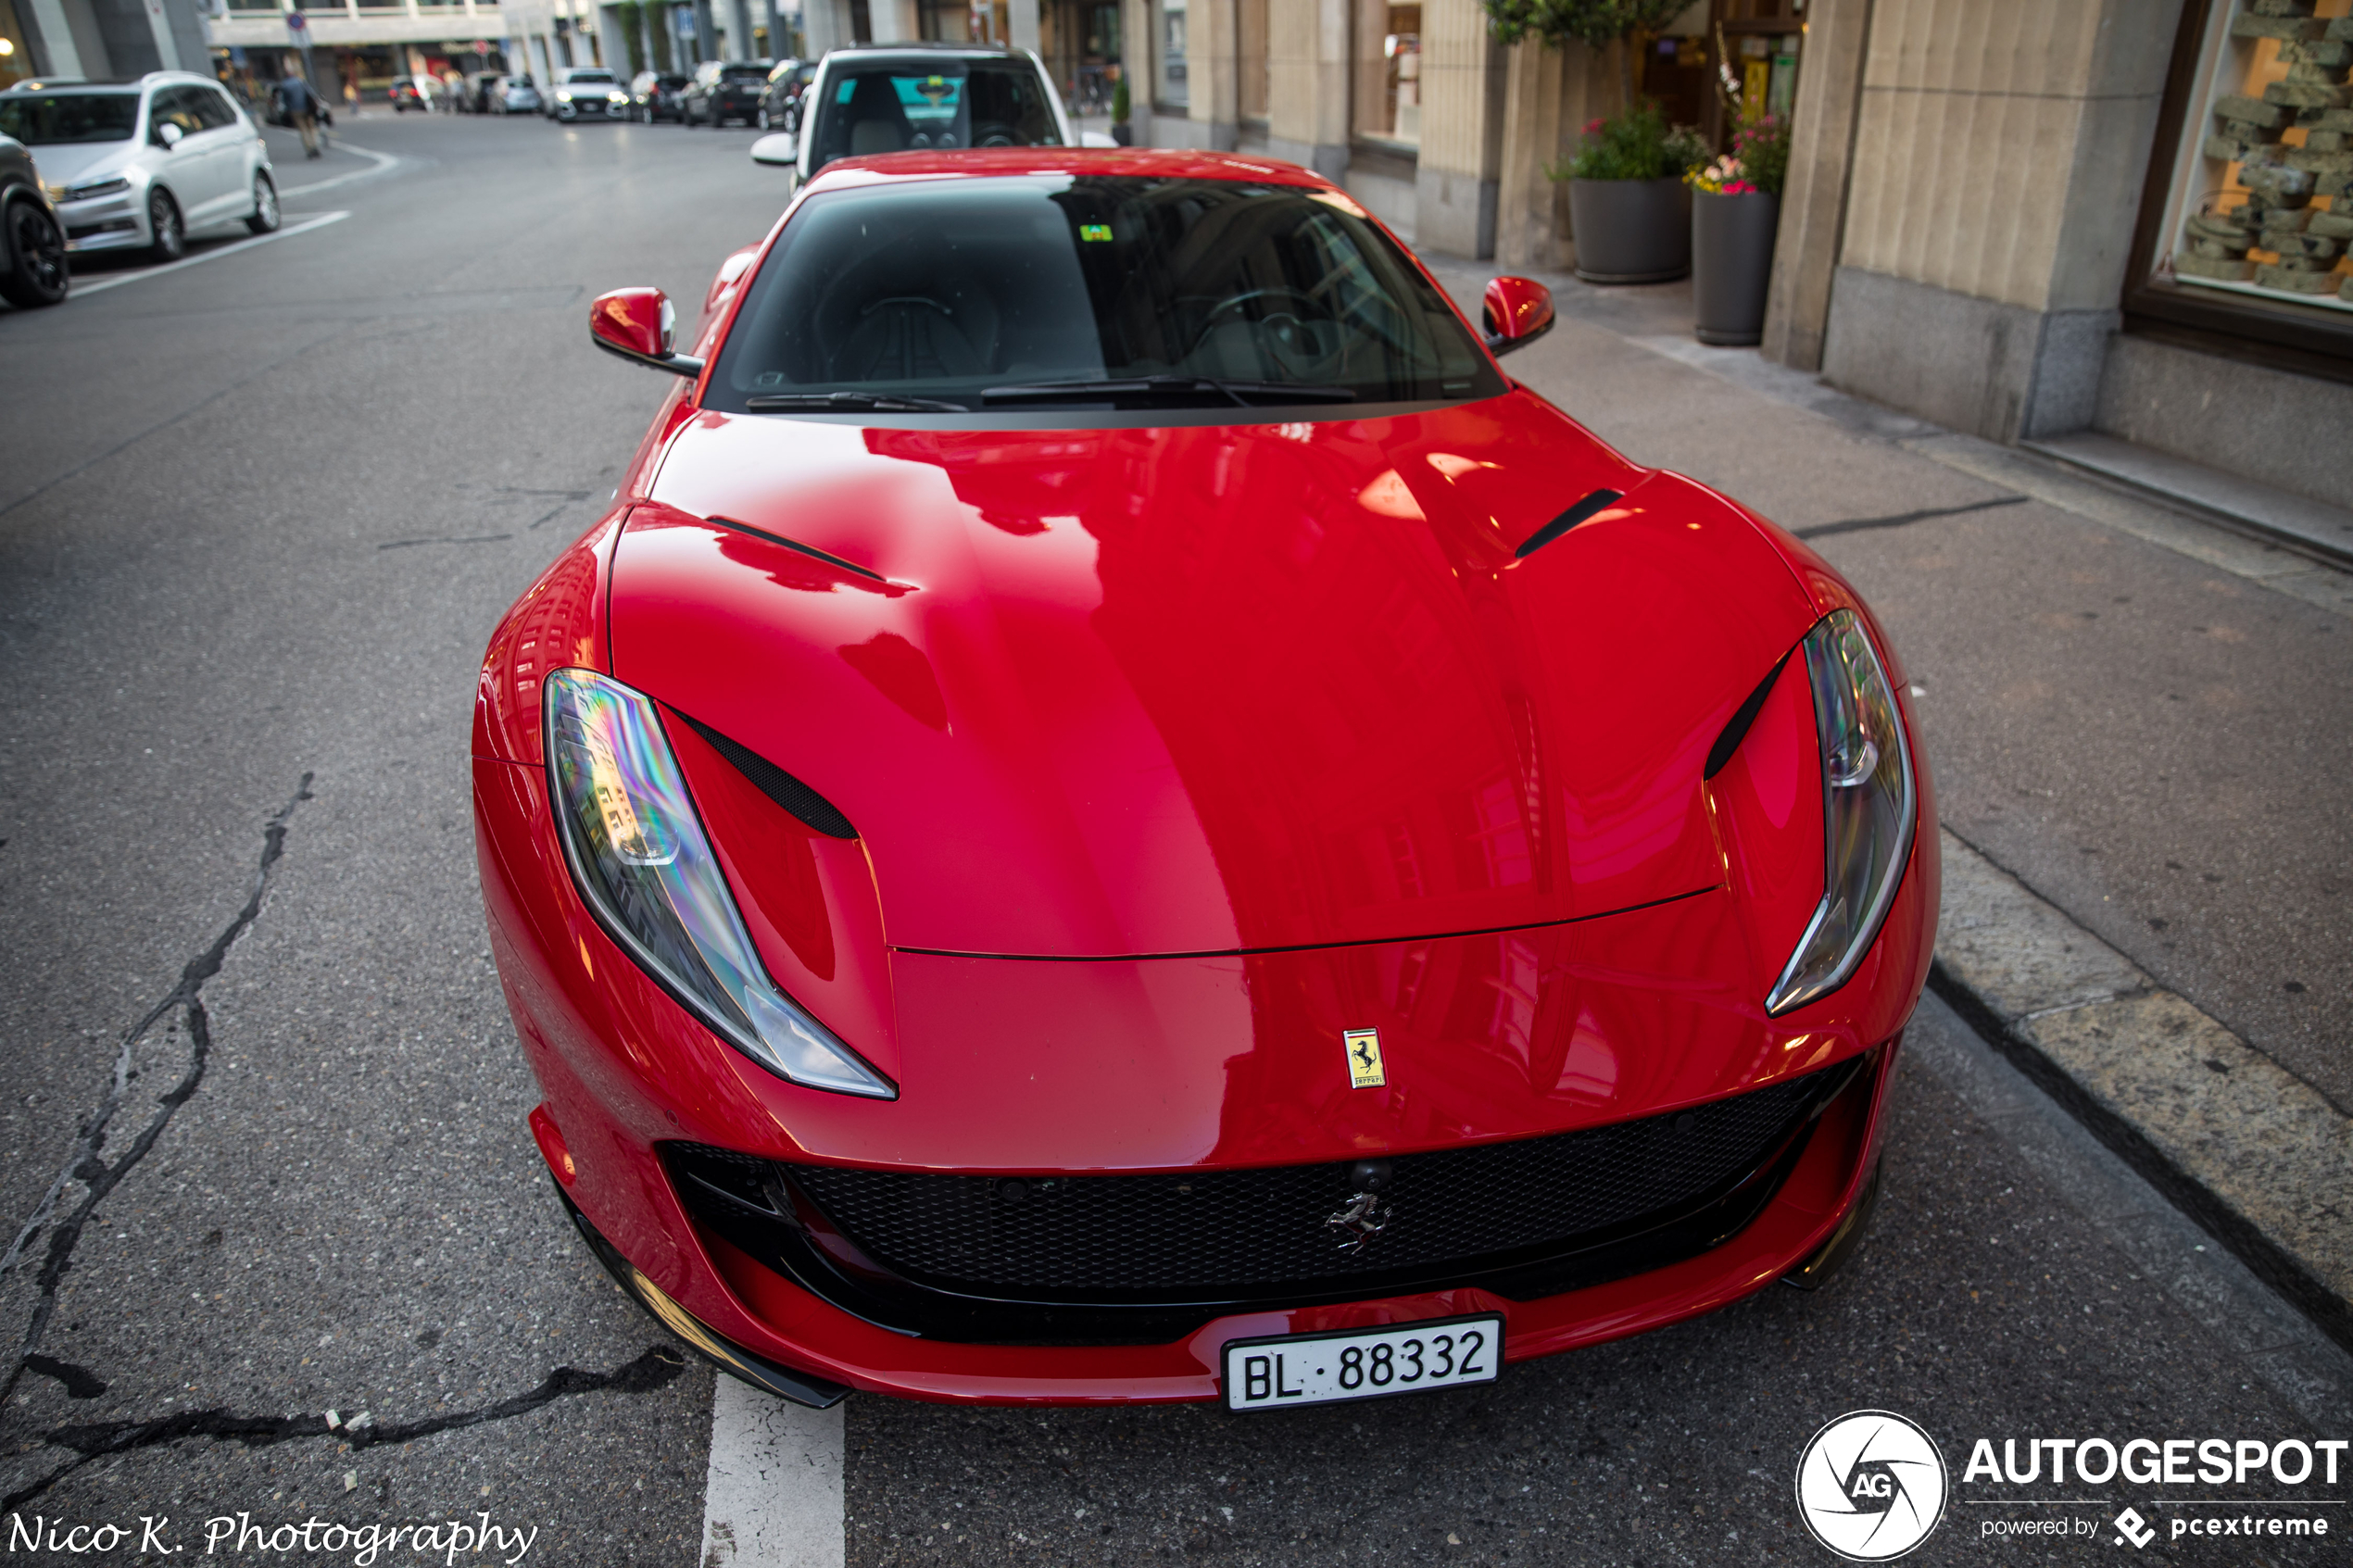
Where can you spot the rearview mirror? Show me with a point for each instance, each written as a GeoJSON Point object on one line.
{"type": "Point", "coordinates": [1518, 311]}
{"type": "Point", "coordinates": [640, 326]}
{"type": "Point", "coordinates": [780, 147]}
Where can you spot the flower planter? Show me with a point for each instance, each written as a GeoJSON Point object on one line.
{"type": "Point", "coordinates": [1731, 263]}
{"type": "Point", "coordinates": [1630, 230]}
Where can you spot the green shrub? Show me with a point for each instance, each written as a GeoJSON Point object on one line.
{"type": "Point", "coordinates": [1637, 143]}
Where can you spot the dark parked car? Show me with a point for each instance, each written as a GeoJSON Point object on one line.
{"type": "Point", "coordinates": [780, 104]}
{"type": "Point", "coordinates": [478, 88]}
{"type": "Point", "coordinates": [406, 95]}
{"type": "Point", "coordinates": [725, 90]}
{"type": "Point", "coordinates": [653, 96]}
{"type": "Point", "coordinates": [33, 241]}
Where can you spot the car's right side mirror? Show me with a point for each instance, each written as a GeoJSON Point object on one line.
{"type": "Point", "coordinates": [1518, 311]}
{"type": "Point", "coordinates": [780, 149]}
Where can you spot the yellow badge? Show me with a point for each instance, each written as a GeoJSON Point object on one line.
{"type": "Point", "coordinates": [1363, 1058]}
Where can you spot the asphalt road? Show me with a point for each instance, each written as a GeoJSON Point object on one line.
{"type": "Point", "coordinates": [256, 517]}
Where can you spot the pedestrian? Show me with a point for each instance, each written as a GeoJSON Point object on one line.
{"type": "Point", "coordinates": [301, 105]}
{"type": "Point", "coordinates": [1121, 131]}
{"type": "Point", "coordinates": [351, 94]}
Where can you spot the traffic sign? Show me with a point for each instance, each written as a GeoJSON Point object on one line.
{"type": "Point", "coordinates": [296, 21]}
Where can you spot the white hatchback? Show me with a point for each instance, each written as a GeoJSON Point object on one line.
{"type": "Point", "coordinates": [136, 165]}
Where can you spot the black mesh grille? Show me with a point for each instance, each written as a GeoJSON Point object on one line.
{"type": "Point", "coordinates": [1188, 1232]}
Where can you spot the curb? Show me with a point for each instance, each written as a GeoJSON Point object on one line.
{"type": "Point", "coordinates": [2251, 1153]}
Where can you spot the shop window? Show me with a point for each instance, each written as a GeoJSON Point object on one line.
{"type": "Point", "coordinates": [2261, 205]}
{"type": "Point", "coordinates": [1173, 87]}
{"type": "Point", "coordinates": [1388, 71]}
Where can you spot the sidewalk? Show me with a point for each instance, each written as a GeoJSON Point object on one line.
{"type": "Point", "coordinates": [2136, 724]}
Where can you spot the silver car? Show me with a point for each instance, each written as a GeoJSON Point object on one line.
{"type": "Point", "coordinates": [513, 95]}
{"type": "Point", "coordinates": [137, 164]}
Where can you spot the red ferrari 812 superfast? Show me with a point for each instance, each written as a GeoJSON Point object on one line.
{"type": "Point", "coordinates": [1116, 813]}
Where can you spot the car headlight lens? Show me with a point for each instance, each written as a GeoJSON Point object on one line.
{"type": "Point", "coordinates": [564, 97]}
{"type": "Point", "coordinates": [618, 98]}
{"type": "Point", "coordinates": [1868, 809]}
{"type": "Point", "coordinates": [639, 856]}
{"type": "Point", "coordinates": [98, 188]}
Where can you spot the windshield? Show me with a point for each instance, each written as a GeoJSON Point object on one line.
{"type": "Point", "coordinates": [896, 105]}
{"type": "Point", "coordinates": [985, 292]}
{"type": "Point", "coordinates": [53, 118]}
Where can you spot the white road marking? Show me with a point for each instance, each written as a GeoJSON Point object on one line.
{"type": "Point", "coordinates": [386, 163]}
{"type": "Point", "coordinates": [81, 289]}
{"type": "Point", "coordinates": [773, 1496]}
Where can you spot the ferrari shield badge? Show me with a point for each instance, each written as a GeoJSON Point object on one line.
{"type": "Point", "coordinates": [1363, 1058]}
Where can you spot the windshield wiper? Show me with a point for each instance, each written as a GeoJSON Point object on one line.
{"type": "Point", "coordinates": [1239, 392]}
{"type": "Point", "coordinates": [847, 402]}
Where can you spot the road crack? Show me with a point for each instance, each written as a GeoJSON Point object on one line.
{"type": "Point", "coordinates": [98, 1177]}
{"type": "Point", "coordinates": [656, 1367]}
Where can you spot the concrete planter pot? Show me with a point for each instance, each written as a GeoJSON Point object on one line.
{"type": "Point", "coordinates": [1732, 262]}
{"type": "Point", "coordinates": [1630, 230]}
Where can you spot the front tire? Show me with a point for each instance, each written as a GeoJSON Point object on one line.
{"type": "Point", "coordinates": [266, 216]}
{"type": "Point", "coordinates": [167, 229]}
{"type": "Point", "coordinates": [37, 273]}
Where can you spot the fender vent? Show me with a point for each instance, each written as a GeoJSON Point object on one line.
{"type": "Point", "coordinates": [1566, 520]}
{"type": "Point", "coordinates": [777, 784]}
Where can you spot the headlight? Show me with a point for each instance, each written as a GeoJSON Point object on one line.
{"type": "Point", "coordinates": [98, 188]}
{"type": "Point", "coordinates": [564, 97]}
{"type": "Point", "coordinates": [638, 854]}
{"type": "Point", "coordinates": [1868, 809]}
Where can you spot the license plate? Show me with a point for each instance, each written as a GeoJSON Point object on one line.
{"type": "Point", "coordinates": [1321, 1369]}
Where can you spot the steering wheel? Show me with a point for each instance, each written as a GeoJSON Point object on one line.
{"type": "Point", "coordinates": [1302, 303]}
{"type": "Point", "coordinates": [925, 300]}
{"type": "Point", "coordinates": [994, 134]}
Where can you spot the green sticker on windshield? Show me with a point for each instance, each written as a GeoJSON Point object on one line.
{"type": "Point", "coordinates": [1094, 231]}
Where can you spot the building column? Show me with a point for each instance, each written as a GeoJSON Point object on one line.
{"type": "Point", "coordinates": [896, 22]}
{"type": "Point", "coordinates": [56, 54]}
{"type": "Point", "coordinates": [706, 34]}
{"type": "Point", "coordinates": [1821, 155]}
{"type": "Point", "coordinates": [1307, 85]}
{"type": "Point", "coordinates": [1549, 95]}
{"type": "Point", "coordinates": [738, 29]}
{"type": "Point", "coordinates": [825, 24]}
{"type": "Point", "coordinates": [1213, 50]}
{"type": "Point", "coordinates": [1021, 23]}
{"type": "Point", "coordinates": [1457, 177]}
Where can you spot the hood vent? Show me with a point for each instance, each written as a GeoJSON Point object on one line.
{"type": "Point", "coordinates": [1736, 727]}
{"type": "Point", "coordinates": [777, 784]}
{"type": "Point", "coordinates": [1566, 520]}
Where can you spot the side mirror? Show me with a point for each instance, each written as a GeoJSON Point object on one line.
{"type": "Point", "coordinates": [780, 149]}
{"type": "Point", "coordinates": [168, 134]}
{"type": "Point", "coordinates": [1095, 139]}
{"type": "Point", "coordinates": [640, 326]}
{"type": "Point", "coordinates": [1518, 310]}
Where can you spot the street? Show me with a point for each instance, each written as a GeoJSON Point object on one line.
{"type": "Point", "coordinates": [258, 515]}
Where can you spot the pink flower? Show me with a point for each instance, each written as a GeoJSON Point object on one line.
{"type": "Point", "coordinates": [1593, 127]}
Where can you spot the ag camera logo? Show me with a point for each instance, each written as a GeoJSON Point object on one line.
{"type": "Point", "coordinates": [1871, 1486]}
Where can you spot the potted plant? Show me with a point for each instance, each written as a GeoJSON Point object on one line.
{"type": "Point", "coordinates": [1629, 210]}
{"type": "Point", "coordinates": [1736, 209]}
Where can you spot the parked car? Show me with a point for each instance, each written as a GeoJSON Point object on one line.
{"type": "Point", "coordinates": [33, 238]}
{"type": "Point", "coordinates": [586, 92]}
{"type": "Point", "coordinates": [137, 164]}
{"type": "Point", "coordinates": [780, 103]}
{"type": "Point", "coordinates": [725, 90]}
{"type": "Point", "coordinates": [514, 94]}
{"type": "Point", "coordinates": [410, 93]}
{"type": "Point", "coordinates": [654, 96]}
{"type": "Point", "coordinates": [904, 913]}
{"type": "Point", "coordinates": [888, 98]}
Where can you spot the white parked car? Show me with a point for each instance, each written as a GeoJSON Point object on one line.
{"type": "Point", "coordinates": [586, 92]}
{"type": "Point", "coordinates": [137, 164]}
{"type": "Point", "coordinates": [929, 97]}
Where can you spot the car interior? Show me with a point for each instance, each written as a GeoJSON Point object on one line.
{"type": "Point", "coordinates": [904, 105]}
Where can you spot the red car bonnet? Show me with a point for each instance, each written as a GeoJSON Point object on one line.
{"type": "Point", "coordinates": [1190, 689]}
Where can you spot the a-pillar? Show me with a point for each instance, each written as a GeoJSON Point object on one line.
{"type": "Point", "coordinates": [1307, 85]}
{"type": "Point", "coordinates": [1455, 178]}
{"type": "Point", "coordinates": [1549, 95]}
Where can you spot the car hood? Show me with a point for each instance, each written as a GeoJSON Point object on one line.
{"type": "Point", "coordinates": [1204, 688]}
{"type": "Point", "coordinates": [73, 162]}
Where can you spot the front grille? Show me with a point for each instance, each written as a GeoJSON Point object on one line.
{"type": "Point", "coordinates": [1229, 1230]}
{"type": "Point", "coordinates": [1146, 1259]}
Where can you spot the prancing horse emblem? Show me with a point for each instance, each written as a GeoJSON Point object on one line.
{"type": "Point", "coordinates": [1363, 1058]}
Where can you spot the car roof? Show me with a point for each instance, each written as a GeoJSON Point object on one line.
{"type": "Point", "coordinates": [977, 51]}
{"type": "Point", "coordinates": [111, 83]}
{"type": "Point", "coordinates": [981, 163]}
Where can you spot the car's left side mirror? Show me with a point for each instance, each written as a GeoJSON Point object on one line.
{"type": "Point", "coordinates": [781, 148]}
{"type": "Point", "coordinates": [1518, 311]}
{"type": "Point", "coordinates": [640, 326]}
